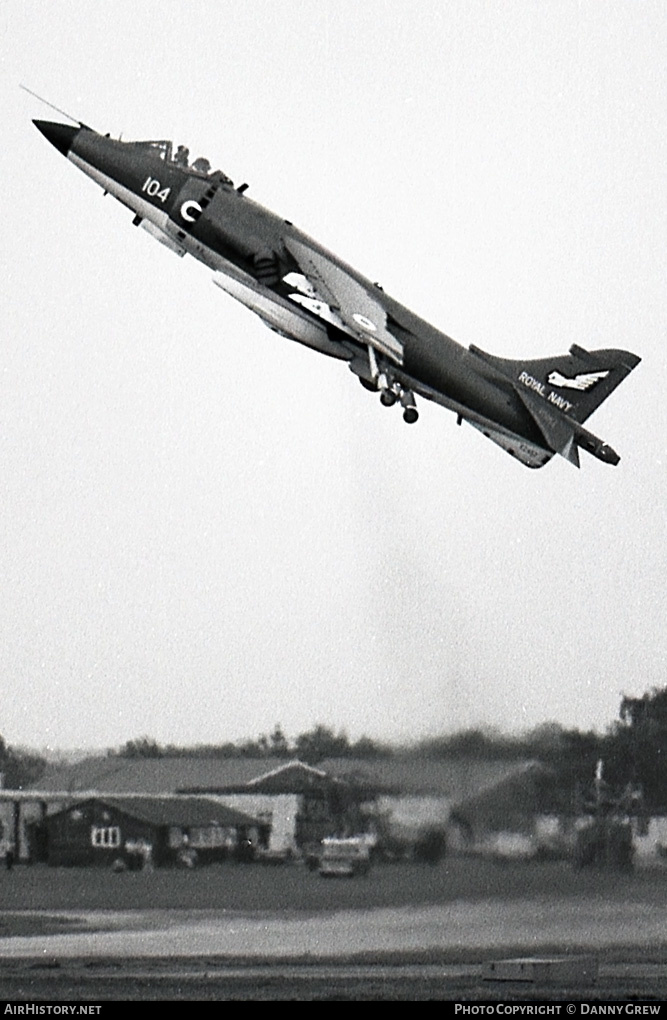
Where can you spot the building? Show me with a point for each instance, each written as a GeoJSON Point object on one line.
{"type": "Point", "coordinates": [509, 817]}
{"type": "Point", "coordinates": [399, 797]}
{"type": "Point", "coordinates": [144, 829]}
{"type": "Point", "coordinates": [300, 803]}
{"type": "Point", "coordinates": [414, 795]}
{"type": "Point", "coordinates": [23, 812]}
{"type": "Point", "coordinates": [294, 803]}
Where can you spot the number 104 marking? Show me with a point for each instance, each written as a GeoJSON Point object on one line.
{"type": "Point", "coordinates": [154, 188]}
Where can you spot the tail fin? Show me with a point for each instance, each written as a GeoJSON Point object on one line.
{"type": "Point", "coordinates": [562, 392]}
{"type": "Point", "coordinates": [575, 383]}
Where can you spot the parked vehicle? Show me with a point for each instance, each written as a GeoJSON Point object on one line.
{"type": "Point", "coordinates": [344, 857]}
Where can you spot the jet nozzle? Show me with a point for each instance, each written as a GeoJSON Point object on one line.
{"type": "Point", "coordinates": [60, 135]}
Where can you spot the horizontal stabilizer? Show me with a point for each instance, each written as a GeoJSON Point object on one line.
{"type": "Point", "coordinates": [563, 434]}
{"type": "Point", "coordinates": [530, 454]}
{"type": "Point", "coordinates": [558, 432]}
{"type": "Point", "coordinates": [571, 451]}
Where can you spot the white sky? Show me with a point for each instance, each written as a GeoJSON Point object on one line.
{"type": "Point", "coordinates": [206, 529]}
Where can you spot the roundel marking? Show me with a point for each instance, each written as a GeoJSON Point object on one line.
{"type": "Point", "coordinates": [364, 322]}
{"type": "Point", "coordinates": [191, 211]}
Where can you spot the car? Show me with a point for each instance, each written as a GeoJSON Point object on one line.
{"type": "Point", "coordinates": [344, 858]}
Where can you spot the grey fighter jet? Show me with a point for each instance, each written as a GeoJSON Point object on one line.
{"type": "Point", "coordinates": [533, 409]}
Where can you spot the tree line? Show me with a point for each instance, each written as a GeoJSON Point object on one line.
{"type": "Point", "coordinates": [19, 768]}
{"type": "Point", "coordinates": [633, 750]}
{"type": "Point", "coordinates": [311, 747]}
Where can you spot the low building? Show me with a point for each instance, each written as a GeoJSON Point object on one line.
{"type": "Point", "coordinates": [154, 830]}
{"type": "Point", "coordinates": [460, 797]}
{"type": "Point", "coordinates": [24, 812]}
{"type": "Point", "coordinates": [400, 797]}
{"type": "Point", "coordinates": [294, 803]}
{"type": "Point", "coordinates": [300, 803]}
{"type": "Point", "coordinates": [512, 817]}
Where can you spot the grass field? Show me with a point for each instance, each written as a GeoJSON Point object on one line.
{"type": "Point", "coordinates": [255, 887]}
{"type": "Point", "coordinates": [547, 908]}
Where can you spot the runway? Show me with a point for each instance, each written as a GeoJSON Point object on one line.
{"type": "Point", "coordinates": [109, 980]}
{"type": "Point", "coordinates": [430, 952]}
{"type": "Point", "coordinates": [459, 926]}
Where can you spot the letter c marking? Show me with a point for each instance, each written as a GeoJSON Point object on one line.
{"type": "Point", "coordinates": [191, 211]}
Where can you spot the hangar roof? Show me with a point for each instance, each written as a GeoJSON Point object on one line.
{"type": "Point", "coordinates": [154, 775]}
{"type": "Point", "coordinates": [455, 778]}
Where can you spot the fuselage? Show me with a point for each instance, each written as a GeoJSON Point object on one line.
{"type": "Point", "coordinates": [233, 228]}
{"type": "Point", "coordinates": [306, 293]}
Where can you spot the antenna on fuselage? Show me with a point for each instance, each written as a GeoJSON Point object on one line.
{"type": "Point", "coordinates": [56, 108]}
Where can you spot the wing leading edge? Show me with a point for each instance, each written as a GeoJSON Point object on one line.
{"type": "Point", "coordinates": [362, 315]}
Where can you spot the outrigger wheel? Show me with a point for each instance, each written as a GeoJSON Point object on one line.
{"type": "Point", "coordinates": [410, 412]}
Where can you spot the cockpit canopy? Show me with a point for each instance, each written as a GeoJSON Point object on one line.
{"type": "Point", "coordinates": [164, 150]}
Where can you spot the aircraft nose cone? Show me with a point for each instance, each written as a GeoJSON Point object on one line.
{"type": "Point", "coordinates": [60, 135]}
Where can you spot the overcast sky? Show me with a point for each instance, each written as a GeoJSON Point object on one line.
{"type": "Point", "coordinates": [206, 529]}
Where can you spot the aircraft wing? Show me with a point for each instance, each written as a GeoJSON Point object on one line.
{"type": "Point", "coordinates": [361, 313]}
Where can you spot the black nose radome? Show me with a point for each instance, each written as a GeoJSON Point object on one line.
{"type": "Point", "coordinates": [60, 135]}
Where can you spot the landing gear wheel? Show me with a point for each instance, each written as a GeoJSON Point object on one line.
{"type": "Point", "coordinates": [387, 398]}
{"type": "Point", "coordinates": [410, 412]}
